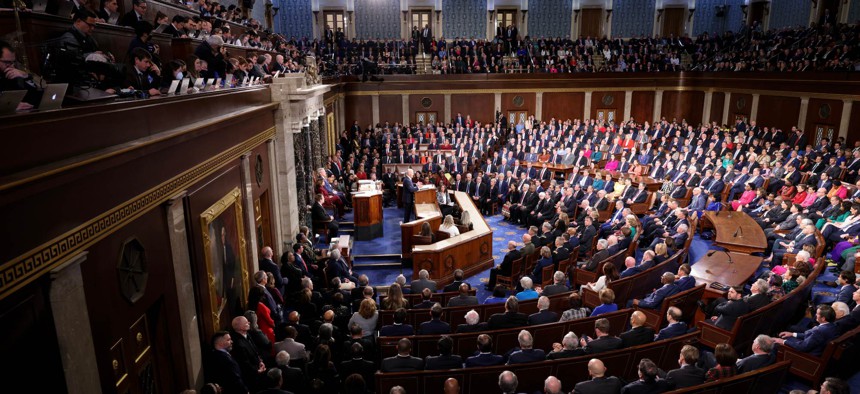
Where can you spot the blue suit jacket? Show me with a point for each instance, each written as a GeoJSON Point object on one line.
{"type": "Point", "coordinates": [401, 330]}
{"type": "Point", "coordinates": [814, 339]}
{"type": "Point", "coordinates": [409, 190]}
{"type": "Point", "coordinates": [845, 295]}
{"type": "Point", "coordinates": [671, 331]}
{"type": "Point", "coordinates": [434, 327]}
{"type": "Point", "coordinates": [684, 284]}
{"type": "Point", "coordinates": [653, 300]}
{"type": "Point", "coordinates": [527, 356]}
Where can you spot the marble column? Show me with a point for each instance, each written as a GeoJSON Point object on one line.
{"type": "Point", "coordinates": [539, 105]}
{"type": "Point", "coordinates": [628, 104]}
{"type": "Point", "coordinates": [180, 256]}
{"type": "Point", "coordinates": [804, 108]}
{"type": "Point", "coordinates": [586, 113]}
{"type": "Point", "coordinates": [658, 105]}
{"type": "Point", "coordinates": [374, 102]}
{"type": "Point", "coordinates": [754, 110]}
{"type": "Point", "coordinates": [706, 108]}
{"type": "Point", "coordinates": [447, 107]}
{"type": "Point", "coordinates": [341, 115]}
{"type": "Point", "coordinates": [497, 101]}
{"type": "Point", "coordinates": [404, 98]}
{"type": "Point", "coordinates": [324, 138]}
{"type": "Point", "coordinates": [316, 144]}
{"type": "Point", "coordinates": [847, 106]}
{"type": "Point", "coordinates": [248, 206]}
{"type": "Point", "coordinates": [302, 187]}
{"type": "Point", "coordinates": [72, 324]}
{"type": "Point", "coordinates": [727, 102]}
{"type": "Point", "coordinates": [274, 193]}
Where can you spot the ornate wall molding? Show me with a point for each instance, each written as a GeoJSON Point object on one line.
{"type": "Point", "coordinates": [24, 269]}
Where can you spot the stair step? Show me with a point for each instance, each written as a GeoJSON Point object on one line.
{"type": "Point", "coordinates": [377, 256]}
{"type": "Point", "coordinates": [377, 264]}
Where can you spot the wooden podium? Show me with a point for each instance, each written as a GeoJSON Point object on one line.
{"type": "Point", "coordinates": [367, 209]}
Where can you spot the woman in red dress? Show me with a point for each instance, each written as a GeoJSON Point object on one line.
{"type": "Point", "coordinates": [330, 198]}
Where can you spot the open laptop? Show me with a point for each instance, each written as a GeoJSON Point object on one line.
{"type": "Point", "coordinates": [160, 28]}
{"type": "Point", "coordinates": [198, 83]}
{"type": "Point", "coordinates": [113, 18]}
{"type": "Point", "coordinates": [172, 89]}
{"type": "Point", "coordinates": [184, 87]}
{"type": "Point", "coordinates": [91, 94]}
{"type": "Point", "coordinates": [210, 82]}
{"type": "Point", "coordinates": [52, 97]}
{"type": "Point", "coordinates": [245, 81]}
{"type": "Point", "coordinates": [218, 83]}
{"type": "Point", "coordinates": [40, 5]}
{"type": "Point", "coordinates": [9, 101]}
{"type": "Point", "coordinates": [276, 74]}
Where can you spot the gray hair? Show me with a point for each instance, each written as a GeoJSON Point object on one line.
{"type": "Point", "coordinates": [525, 339]}
{"type": "Point", "coordinates": [282, 358]}
{"type": "Point", "coordinates": [526, 283]}
{"type": "Point", "coordinates": [761, 285]}
{"type": "Point", "coordinates": [423, 274]}
{"type": "Point", "coordinates": [558, 276]}
{"type": "Point", "coordinates": [543, 303]}
{"type": "Point", "coordinates": [215, 41]}
{"type": "Point", "coordinates": [840, 306]}
{"type": "Point", "coordinates": [472, 317]}
{"type": "Point", "coordinates": [334, 253]}
{"type": "Point", "coordinates": [570, 341]}
{"type": "Point", "coordinates": [400, 279]}
{"type": "Point", "coordinates": [765, 343]}
{"type": "Point", "coordinates": [602, 244]}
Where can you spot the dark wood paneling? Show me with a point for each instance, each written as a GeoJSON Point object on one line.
{"type": "Point", "coordinates": [607, 100]}
{"type": "Point", "coordinates": [777, 111]}
{"type": "Point", "coordinates": [478, 106]}
{"type": "Point", "coordinates": [390, 109]}
{"type": "Point", "coordinates": [528, 102]}
{"type": "Point", "coordinates": [437, 104]}
{"type": "Point", "coordinates": [359, 108]}
{"type": "Point", "coordinates": [854, 125]}
{"type": "Point", "coordinates": [740, 103]}
{"type": "Point", "coordinates": [685, 105]}
{"type": "Point", "coordinates": [817, 115]}
{"type": "Point", "coordinates": [718, 100]}
{"type": "Point", "coordinates": [563, 105]}
{"type": "Point", "coordinates": [642, 106]}
{"type": "Point", "coordinates": [104, 298]}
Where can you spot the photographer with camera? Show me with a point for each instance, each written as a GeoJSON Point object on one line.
{"type": "Point", "coordinates": [12, 78]}
{"type": "Point", "coordinates": [213, 52]}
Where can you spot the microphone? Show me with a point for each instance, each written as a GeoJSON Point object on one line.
{"type": "Point", "coordinates": [735, 235]}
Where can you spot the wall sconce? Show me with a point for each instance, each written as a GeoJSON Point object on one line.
{"type": "Point", "coordinates": [659, 14]}
{"type": "Point", "coordinates": [438, 15]}
{"type": "Point", "coordinates": [608, 14]}
{"type": "Point", "coordinates": [405, 15]}
{"type": "Point", "coordinates": [575, 15]}
{"type": "Point", "coordinates": [275, 11]}
{"type": "Point", "coordinates": [744, 10]}
{"type": "Point", "coordinates": [690, 16]}
{"type": "Point", "coordinates": [766, 9]}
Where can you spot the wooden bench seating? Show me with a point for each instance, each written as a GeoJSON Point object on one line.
{"type": "Point", "coordinates": [685, 301]}
{"type": "Point", "coordinates": [815, 368]}
{"type": "Point", "coordinates": [582, 277]}
{"type": "Point", "coordinates": [768, 380]}
{"type": "Point", "coordinates": [456, 315]}
{"type": "Point", "coordinates": [635, 286]}
{"type": "Point", "coordinates": [465, 344]}
{"type": "Point", "coordinates": [766, 320]}
{"type": "Point", "coordinates": [622, 363]}
{"type": "Point", "coordinates": [442, 298]}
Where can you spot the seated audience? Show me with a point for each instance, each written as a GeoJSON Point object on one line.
{"type": "Point", "coordinates": [674, 327]}
{"type": "Point", "coordinates": [526, 352]}
{"type": "Point", "coordinates": [726, 363]}
{"type": "Point", "coordinates": [558, 285]}
{"type": "Point", "coordinates": [576, 311]}
{"type": "Point", "coordinates": [603, 341]}
{"type": "Point", "coordinates": [655, 299]}
{"type": "Point", "coordinates": [485, 357]}
{"type": "Point", "coordinates": [528, 292]}
{"type": "Point", "coordinates": [403, 361]}
{"type": "Point", "coordinates": [445, 360]}
{"type": "Point", "coordinates": [435, 325]}
{"type": "Point", "coordinates": [569, 347]}
{"type": "Point", "coordinates": [473, 323]}
{"type": "Point", "coordinates": [607, 299]}
{"type": "Point", "coordinates": [648, 381]}
{"type": "Point", "coordinates": [543, 315]}
{"type": "Point", "coordinates": [639, 333]}
{"type": "Point", "coordinates": [761, 355]}
{"type": "Point", "coordinates": [398, 328]}
{"type": "Point", "coordinates": [464, 298]}
{"type": "Point", "coordinates": [510, 318]}
{"type": "Point", "coordinates": [815, 339]}
{"type": "Point", "coordinates": [688, 374]}
{"type": "Point", "coordinates": [599, 383]}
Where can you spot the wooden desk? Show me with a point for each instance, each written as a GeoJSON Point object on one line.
{"type": "Point", "coordinates": [426, 210]}
{"type": "Point", "coordinates": [471, 251]}
{"type": "Point", "coordinates": [715, 267]}
{"type": "Point", "coordinates": [421, 196]}
{"type": "Point", "coordinates": [736, 231]}
{"type": "Point", "coordinates": [367, 209]}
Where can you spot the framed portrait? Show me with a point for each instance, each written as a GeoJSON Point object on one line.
{"type": "Point", "coordinates": [224, 251]}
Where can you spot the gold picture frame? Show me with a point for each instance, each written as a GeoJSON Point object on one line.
{"type": "Point", "coordinates": [226, 268]}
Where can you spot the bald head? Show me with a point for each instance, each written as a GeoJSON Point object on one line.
{"type": "Point", "coordinates": [596, 369]}
{"type": "Point", "coordinates": [452, 386]}
{"type": "Point", "coordinates": [552, 385]}
{"type": "Point", "coordinates": [240, 324]}
{"type": "Point", "coordinates": [267, 252]}
{"type": "Point", "coordinates": [637, 319]}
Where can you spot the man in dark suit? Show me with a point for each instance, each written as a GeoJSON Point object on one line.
{"type": "Point", "coordinates": [729, 310]}
{"type": "Point", "coordinates": [473, 323]}
{"type": "Point", "coordinates": [223, 369]}
{"type": "Point", "coordinates": [639, 333]}
{"type": "Point", "coordinates": [445, 360]}
{"type": "Point", "coordinates": [319, 214]}
{"type": "Point", "coordinates": [655, 299]}
{"type": "Point", "coordinates": [245, 353]}
{"type": "Point", "coordinates": [266, 264]}
{"type": "Point", "coordinates": [558, 286]}
{"type": "Point", "coordinates": [141, 76]}
{"type": "Point", "coordinates": [815, 339]}
{"type": "Point", "coordinates": [601, 254]}
{"type": "Point", "coordinates": [688, 374]}
{"type": "Point", "coordinates": [603, 341]}
{"type": "Point", "coordinates": [506, 266]}
{"type": "Point", "coordinates": [569, 347]}
{"type": "Point", "coordinates": [633, 269]}
{"type": "Point", "coordinates": [485, 357]}
{"type": "Point", "coordinates": [435, 326]}
{"type": "Point", "coordinates": [455, 285]}
{"type": "Point", "coordinates": [543, 315]}
{"type": "Point", "coordinates": [761, 357]}
{"type": "Point", "coordinates": [425, 303]}
{"type": "Point", "coordinates": [847, 280]}
{"type": "Point", "coordinates": [527, 353]}
{"type": "Point", "coordinates": [599, 383]}
{"type": "Point", "coordinates": [134, 16]}
{"type": "Point", "coordinates": [510, 318]}
{"type": "Point", "coordinates": [759, 297]}
{"type": "Point", "coordinates": [464, 298]}
{"type": "Point", "coordinates": [176, 29]}
{"type": "Point", "coordinates": [675, 326]}
{"type": "Point", "coordinates": [403, 361]}
{"type": "Point", "coordinates": [399, 328]}
{"type": "Point", "coordinates": [294, 378]}
{"type": "Point", "coordinates": [648, 381]}
{"type": "Point", "coordinates": [409, 190]}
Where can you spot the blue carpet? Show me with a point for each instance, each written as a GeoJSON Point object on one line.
{"type": "Point", "coordinates": [389, 243]}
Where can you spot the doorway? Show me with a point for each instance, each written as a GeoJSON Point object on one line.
{"type": "Point", "coordinates": [592, 23]}
{"type": "Point", "coordinates": [673, 22]}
